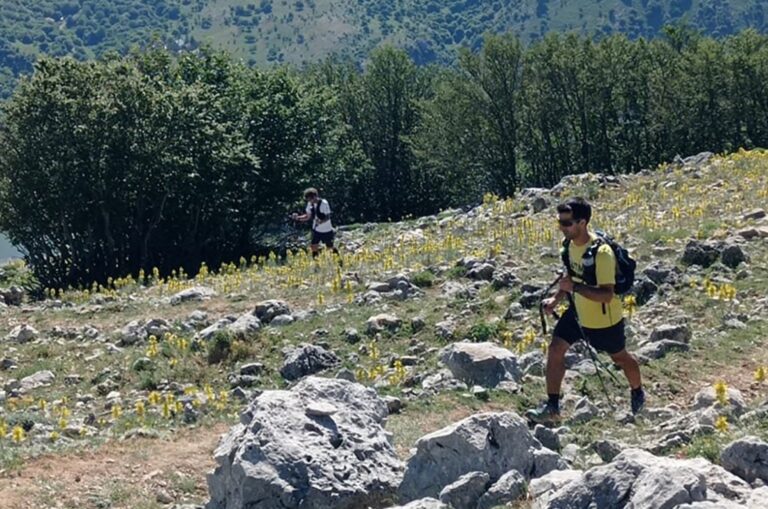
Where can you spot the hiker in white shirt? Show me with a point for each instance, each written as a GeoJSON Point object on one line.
{"type": "Point", "coordinates": [319, 212]}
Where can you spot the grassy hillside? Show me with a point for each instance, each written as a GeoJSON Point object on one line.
{"type": "Point", "coordinates": [105, 387]}
{"type": "Point", "coordinates": [299, 31]}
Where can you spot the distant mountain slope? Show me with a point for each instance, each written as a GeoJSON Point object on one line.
{"type": "Point", "coordinates": [299, 31]}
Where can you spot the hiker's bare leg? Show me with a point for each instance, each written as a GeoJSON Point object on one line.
{"type": "Point", "coordinates": [315, 248]}
{"type": "Point", "coordinates": [556, 365]}
{"type": "Point", "coordinates": [631, 368]}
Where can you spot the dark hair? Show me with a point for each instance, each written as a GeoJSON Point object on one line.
{"type": "Point", "coordinates": [578, 207]}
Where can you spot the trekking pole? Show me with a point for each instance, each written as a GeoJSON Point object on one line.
{"type": "Point", "coordinates": [541, 304]}
{"type": "Point", "coordinates": [593, 354]}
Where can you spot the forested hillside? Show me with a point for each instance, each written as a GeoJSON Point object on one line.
{"type": "Point", "coordinates": [298, 31]}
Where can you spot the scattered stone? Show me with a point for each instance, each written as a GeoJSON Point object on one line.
{"type": "Point", "coordinates": [465, 492]}
{"type": "Point", "coordinates": [351, 335]}
{"type": "Point", "coordinates": [394, 405]}
{"type": "Point", "coordinates": [418, 323]}
{"type": "Point", "coordinates": [245, 326]}
{"type": "Point", "coordinates": [378, 286]}
{"type": "Point", "coordinates": [346, 374]}
{"type": "Point", "coordinates": [445, 329]}
{"type": "Point", "coordinates": [547, 437]}
{"type": "Point", "coordinates": [481, 271]}
{"type": "Point", "coordinates": [707, 398]}
{"type": "Point", "coordinates": [8, 364]}
{"type": "Point", "coordinates": [484, 364]}
{"type": "Point", "coordinates": [733, 255]}
{"type": "Point", "coordinates": [39, 379]}
{"type": "Point", "coordinates": [12, 296]}
{"type": "Point", "coordinates": [307, 360]}
{"type": "Point", "coordinates": [253, 368]}
{"type": "Point", "coordinates": [700, 253]}
{"type": "Point", "coordinates": [197, 293]}
{"type": "Point", "coordinates": [142, 364]}
{"type": "Point", "coordinates": [382, 322]}
{"type": "Point", "coordinates": [22, 334]}
{"type": "Point", "coordinates": [754, 214]}
{"type": "Point", "coordinates": [267, 310]}
{"type": "Point", "coordinates": [282, 320]}
{"type": "Point", "coordinates": [510, 487]}
{"type": "Point", "coordinates": [678, 333]}
{"type": "Point", "coordinates": [659, 349]}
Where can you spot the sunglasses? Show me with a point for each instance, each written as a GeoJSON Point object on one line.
{"type": "Point", "coordinates": [566, 222]}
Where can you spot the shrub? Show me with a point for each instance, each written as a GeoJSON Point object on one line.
{"type": "Point", "coordinates": [423, 279]}
{"type": "Point", "coordinates": [241, 351]}
{"type": "Point", "coordinates": [219, 347]}
{"type": "Point", "coordinates": [481, 332]}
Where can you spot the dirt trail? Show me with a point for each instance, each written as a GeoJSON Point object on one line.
{"type": "Point", "coordinates": [139, 472]}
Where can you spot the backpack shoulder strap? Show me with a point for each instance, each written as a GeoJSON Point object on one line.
{"type": "Point", "coordinates": [566, 256]}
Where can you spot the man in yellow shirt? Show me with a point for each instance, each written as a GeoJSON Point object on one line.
{"type": "Point", "coordinates": [598, 310]}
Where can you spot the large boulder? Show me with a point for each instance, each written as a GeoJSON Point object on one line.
{"type": "Point", "coordinates": [485, 364]}
{"type": "Point", "coordinates": [320, 445]}
{"type": "Point", "coordinates": [307, 360]}
{"type": "Point", "coordinates": [747, 458]}
{"type": "Point", "coordinates": [640, 480]}
{"type": "Point", "coordinates": [494, 443]}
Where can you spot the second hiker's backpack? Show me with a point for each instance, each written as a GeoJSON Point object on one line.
{"type": "Point", "coordinates": [625, 265]}
{"type": "Point", "coordinates": [316, 211]}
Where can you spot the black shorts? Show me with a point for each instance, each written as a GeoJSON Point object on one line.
{"type": "Point", "coordinates": [324, 237]}
{"type": "Point", "coordinates": [610, 340]}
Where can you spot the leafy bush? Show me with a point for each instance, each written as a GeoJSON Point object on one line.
{"type": "Point", "coordinates": [220, 347]}
{"type": "Point", "coordinates": [481, 332]}
{"type": "Point", "coordinates": [242, 351]}
{"type": "Point", "coordinates": [423, 279]}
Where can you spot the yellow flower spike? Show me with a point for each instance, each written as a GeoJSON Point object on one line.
{"type": "Point", "coordinates": [760, 374]}
{"type": "Point", "coordinates": [3, 429]}
{"type": "Point", "coordinates": [62, 423]}
{"type": "Point", "coordinates": [140, 409]}
{"type": "Point", "coordinates": [54, 436]}
{"type": "Point", "coordinates": [172, 363]}
{"type": "Point", "coordinates": [721, 392]}
{"type": "Point", "coordinates": [721, 424]}
{"type": "Point", "coordinates": [179, 407]}
{"type": "Point", "coordinates": [630, 305]}
{"type": "Point", "coordinates": [18, 435]}
{"type": "Point", "coordinates": [529, 336]}
{"type": "Point", "coordinates": [42, 405]}
{"type": "Point", "coordinates": [361, 374]}
{"type": "Point", "coordinates": [166, 410]}
{"type": "Point", "coordinates": [320, 299]}
{"type": "Point", "coordinates": [154, 398]}
{"type": "Point", "coordinates": [116, 412]}
{"type": "Point", "coordinates": [507, 339]}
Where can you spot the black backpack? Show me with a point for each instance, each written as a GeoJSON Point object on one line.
{"type": "Point", "coordinates": [625, 265]}
{"type": "Point", "coordinates": [316, 211]}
